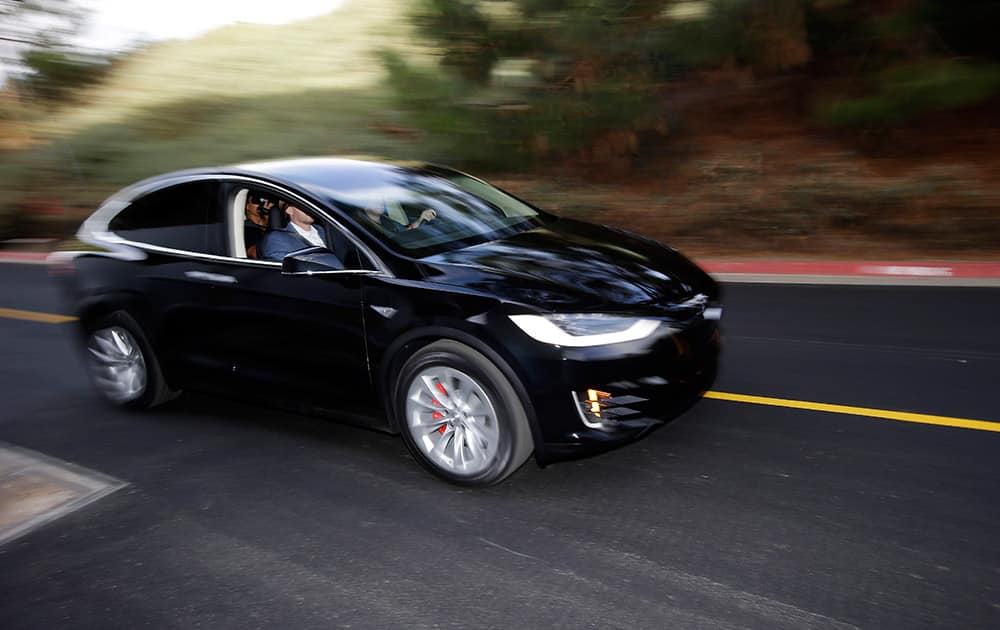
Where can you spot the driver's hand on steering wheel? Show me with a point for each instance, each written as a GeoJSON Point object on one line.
{"type": "Point", "coordinates": [426, 216]}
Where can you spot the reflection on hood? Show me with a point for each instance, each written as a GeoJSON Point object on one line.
{"type": "Point", "coordinates": [572, 257]}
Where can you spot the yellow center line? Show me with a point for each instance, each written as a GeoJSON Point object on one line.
{"type": "Point", "coordinates": [34, 316]}
{"type": "Point", "coordinates": [902, 416]}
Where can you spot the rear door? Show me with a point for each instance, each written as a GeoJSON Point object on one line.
{"type": "Point", "coordinates": [181, 227]}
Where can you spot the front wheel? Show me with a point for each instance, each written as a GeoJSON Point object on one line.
{"type": "Point", "coordinates": [460, 416]}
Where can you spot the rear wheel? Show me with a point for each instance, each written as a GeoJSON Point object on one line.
{"type": "Point", "coordinates": [122, 363]}
{"type": "Point", "coordinates": [460, 416]}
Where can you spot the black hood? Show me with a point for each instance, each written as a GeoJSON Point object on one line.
{"type": "Point", "coordinates": [568, 262]}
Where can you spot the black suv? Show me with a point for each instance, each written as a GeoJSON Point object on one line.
{"type": "Point", "coordinates": [414, 299]}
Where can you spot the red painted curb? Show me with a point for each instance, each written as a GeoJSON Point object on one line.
{"type": "Point", "coordinates": [871, 268]}
{"type": "Point", "coordinates": [23, 256]}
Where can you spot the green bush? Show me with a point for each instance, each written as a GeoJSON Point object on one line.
{"type": "Point", "coordinates": [906, 92]}
{"type": "Point", "coordinates": [55, 74]}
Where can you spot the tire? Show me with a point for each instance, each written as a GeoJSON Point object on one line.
{"type": "Point", "coordinates": [459, 415]}
{"type": "Point", "coordinates": [122, 363]}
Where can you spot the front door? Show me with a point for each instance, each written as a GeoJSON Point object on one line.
{"type": "Point", "coordinates": [297, 338]}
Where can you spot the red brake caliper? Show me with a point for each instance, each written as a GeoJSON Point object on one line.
{"type": "Point", "coordinates": [437, 415]}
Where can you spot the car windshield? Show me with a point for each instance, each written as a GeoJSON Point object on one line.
{"type": "Point", "coordinates": [425, 212]}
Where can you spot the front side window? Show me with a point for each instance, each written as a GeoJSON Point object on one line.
{"type": "Point", "coordinates": [268, 226]}
{"type": "Point", "coordinates": [186, 217]}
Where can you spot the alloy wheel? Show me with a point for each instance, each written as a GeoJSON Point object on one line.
{"type": "Point", "coordinates": [452, 420]}
{"type": "Point", "coordinates": [117, 364]}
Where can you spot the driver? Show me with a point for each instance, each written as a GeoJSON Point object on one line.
{"type": "Point", "coordinates": [380, 216]}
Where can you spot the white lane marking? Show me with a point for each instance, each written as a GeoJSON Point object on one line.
{"type": "Point", "coordinates": [507, 549]}
{"type": "Point", "coordinates": [906, 270]}
{"type": "Point", "coordinates": [775, 613]}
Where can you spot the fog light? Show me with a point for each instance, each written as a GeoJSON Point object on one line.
{"type": "Point", "coordinates": [596, 409]}
{"type": "Point", "coordinates": [603, 410]}
{"type": "Point", "coordinates": [595, 396]}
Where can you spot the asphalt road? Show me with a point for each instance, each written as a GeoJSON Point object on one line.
{"type": "Point", "coordinates": [734, 516]}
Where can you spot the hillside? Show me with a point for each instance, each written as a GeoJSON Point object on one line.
{"type": "Point", "coordinates": [331, 52]}
{"type": "Point", "coordinates": [238, 93]}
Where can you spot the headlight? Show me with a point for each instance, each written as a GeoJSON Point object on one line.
{"type": "Point", "coordinates": [584, 329]}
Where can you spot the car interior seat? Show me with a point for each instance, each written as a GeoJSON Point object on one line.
{"type": "Point", "coordinates": [276, 218]}
{"type": "Point", "coordinates": [253, 227]}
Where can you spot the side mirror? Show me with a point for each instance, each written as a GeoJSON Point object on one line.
{"type": "Point", "coordinates": [311, 260]}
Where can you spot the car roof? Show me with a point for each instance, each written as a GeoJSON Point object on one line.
{"type": "Point", "coordinates": [336, 167]}
{"type": "Point", "coordinates": [321, 176]}
{"type": "Point", "coordinates": [324, 177]}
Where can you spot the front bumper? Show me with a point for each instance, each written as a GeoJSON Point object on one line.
{"type": "Point", "coordinates": [650, 382]}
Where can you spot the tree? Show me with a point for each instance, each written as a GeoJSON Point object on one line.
{"type": "Point", "coordinates": [599, 68]}
{"type": "Point", "coordinates": [34, 23]}
{"type": "Point", "coordinates": [897, 60]}
{"type": "Point", "coordinates": [592, 85]}
{"type": "Point", "coordinates": [35, 47]}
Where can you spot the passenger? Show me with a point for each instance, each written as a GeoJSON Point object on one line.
{"type": "Point", "coordinates": [300, 233]}
{"type": "Point", "coordinates": [380, 216]}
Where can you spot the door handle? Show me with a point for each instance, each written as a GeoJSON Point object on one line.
{"type": "Point", "coordinates": [210, 277]}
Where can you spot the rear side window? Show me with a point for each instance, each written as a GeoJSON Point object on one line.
{"type": "Point", "coordinates": [187, 217]}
